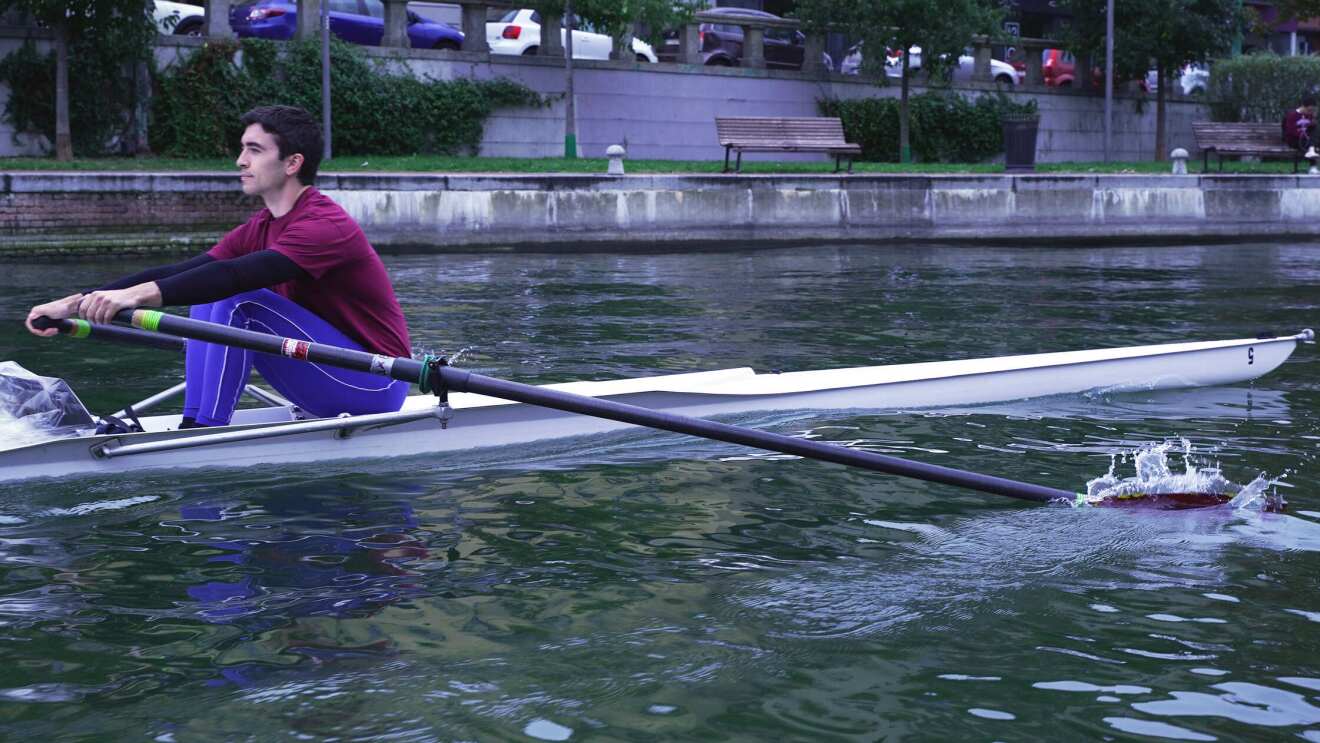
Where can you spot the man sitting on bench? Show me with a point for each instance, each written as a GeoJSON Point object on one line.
{"type": "Point", "coordinates": [1299, 127]}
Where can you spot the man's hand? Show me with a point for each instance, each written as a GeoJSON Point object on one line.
{"type": "Point", "coordinates": [100, 307]}
{"type": "Point", "coordinates": [57, 310]}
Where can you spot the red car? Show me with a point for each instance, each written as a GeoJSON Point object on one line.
{"type": "Point", "coordinates": [1058, 68]}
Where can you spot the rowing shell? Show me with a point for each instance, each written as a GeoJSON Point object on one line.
{"type": "Point", "coordinates": [277, 434]}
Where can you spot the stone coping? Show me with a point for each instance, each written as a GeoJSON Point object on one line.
{"type": "Point", "coordinates": [74, 181]}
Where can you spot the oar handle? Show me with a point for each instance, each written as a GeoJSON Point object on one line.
{"type": "Point", "coordinates": [76, 328]}
{"type": "Point", "coordinates": [440, 377]}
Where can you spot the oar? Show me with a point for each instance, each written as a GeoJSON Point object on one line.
{"type": "Point", "coordinates": [434, 375]}
{"type": "Point", "coordinates": [131, 336]}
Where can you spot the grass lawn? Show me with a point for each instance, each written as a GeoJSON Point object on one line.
{"type": "Point", "coordinates": [439, 164]}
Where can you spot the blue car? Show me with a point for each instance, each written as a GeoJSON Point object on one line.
{"type": "Point", "coordinates": [356, 21]}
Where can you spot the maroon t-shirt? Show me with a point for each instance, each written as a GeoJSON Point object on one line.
{"type": "Point", "coordinates": [348, 285]}
{"type": "Point", "coordinates": [1296, 125]}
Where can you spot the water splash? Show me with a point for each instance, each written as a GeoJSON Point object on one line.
{"type": "Point", "coordinates": [452, 357]}
{"type": "Point", "coordinates": [1156, 481]}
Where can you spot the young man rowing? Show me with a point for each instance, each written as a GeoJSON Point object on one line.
{"type": "Point", "coordinates": [300, 268]}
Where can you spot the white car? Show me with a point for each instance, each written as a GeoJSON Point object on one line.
{"type": "Point", "coordinates": [1193, 80]}
{"type": "Point", "coordinates": [179, 19]}
{"type": "Point", "coordinates": [1000, 72]}
{"type": "Point", "coordinates": [519, 32]}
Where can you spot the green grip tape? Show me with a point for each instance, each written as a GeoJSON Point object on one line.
{"type": "Point", "coordinates": [147, 319]}
{"type": "Point", "coordinates": [81, 329]}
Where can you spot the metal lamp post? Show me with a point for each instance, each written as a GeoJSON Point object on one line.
{"type": "Point", "coordinates": [1109, 77]}
{"type": "Point", "coordinates": [325, 78]}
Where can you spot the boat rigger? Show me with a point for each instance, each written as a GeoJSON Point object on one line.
{"type": "Point", "coordinates": [277, 433]}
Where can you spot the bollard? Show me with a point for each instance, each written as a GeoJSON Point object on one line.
{"type": "Point", "coordinates": [1179, 157]}
{"type": "Point", "coordinates": [615, 153]}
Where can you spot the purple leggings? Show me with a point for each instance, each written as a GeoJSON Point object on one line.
{"type": "Point", "coordinates": [216, 374]}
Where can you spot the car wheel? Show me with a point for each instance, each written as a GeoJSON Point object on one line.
{"type": "Point", "coordinates": [189, 27]}
{"type": "Point", "coordinates": [1066, 84]}
{"type": "Point", "coordinates": [1004, 80]}
{"type": "Point", "coordinates": [718, 62]}
{"type": "Point", "coordinates": [531, 51]}
{"type": "Point", "coordinates": [643, 58]}
{"type": "Point", "coordinates": [445, 46]}
{"type": "Point", "coordinates": [1198, 90]}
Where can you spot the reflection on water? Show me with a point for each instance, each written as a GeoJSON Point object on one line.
{"type": "Point", "coordinates": [637, 586]}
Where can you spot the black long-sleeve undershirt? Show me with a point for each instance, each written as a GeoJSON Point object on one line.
{"type": "Point", "coordinates": [157, 272]}
{"type": "Point", "coordinates": [204, 279]}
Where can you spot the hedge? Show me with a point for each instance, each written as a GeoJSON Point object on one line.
{"type": "Point", "coordinates": [1261, 87]}
{"type": "Point", "coordinates": [379, 108]}
{"type": "Point", "coordinates": [945, 127]}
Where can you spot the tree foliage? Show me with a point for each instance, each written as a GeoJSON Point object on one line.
{"type": "Point", "coordinates": [618, 18]}
{"type": "Point", "coordinates": [1164, 34]}
{"type": "Point", "coordinates": [83, 96]}
{"type": "Point", "coordinates": [1167, 33]}
{"type": "Point", "coordinates": [942, 28]}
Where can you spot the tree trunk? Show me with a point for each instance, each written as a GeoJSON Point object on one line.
{"type": "Point", "coordinates": [139, 139]}
{"type": "Point", "coordinates": [570, 109]}
{"type": "Point", "coordinates": [63, 134]}
{"type": "Point", "coordinates": [1161, 111]}
{"type": "Point", "coordinates": [904, 143]}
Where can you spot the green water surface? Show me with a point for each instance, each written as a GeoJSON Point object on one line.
{"type": "Point", "coordinates": [656, 587]}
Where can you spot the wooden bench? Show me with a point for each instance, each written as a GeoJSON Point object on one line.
{"type": "Point", "coordinates": [1236, 138]}
{"type": "Point", "coordinates": [784, 134]}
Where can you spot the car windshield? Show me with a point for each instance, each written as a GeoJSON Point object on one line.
{"type": "Point", "coordinates": [375, 8]}
{"type": "Point", "coordinates": [508, 17]}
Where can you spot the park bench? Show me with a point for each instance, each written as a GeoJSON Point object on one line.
{"type": "Point", "coordinates": [1240, 138]}
{"type": "Point", "coordinates": [784, 134]}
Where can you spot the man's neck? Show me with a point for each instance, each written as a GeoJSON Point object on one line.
{"type": "Point", "coordinates": [281, 202]}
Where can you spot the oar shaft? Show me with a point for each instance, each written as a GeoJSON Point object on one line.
{"type": "Point", "coordinates": [457, 380]}
{"type": "Point", "coordinates": [464, 381]}
{"type": "Point", "coordinates": [407, 370]}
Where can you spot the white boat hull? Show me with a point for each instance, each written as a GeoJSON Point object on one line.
{"type": "Point", "coordinates": [479, 422]}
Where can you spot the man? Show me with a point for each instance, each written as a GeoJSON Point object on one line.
{"type": "Point", "coordinates": [1299, 127]}
{"type": "Point", "coordinates": [300, 268]}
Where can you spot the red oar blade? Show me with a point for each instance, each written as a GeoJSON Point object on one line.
{"type": "Point", "coordinates": [1180, 501]}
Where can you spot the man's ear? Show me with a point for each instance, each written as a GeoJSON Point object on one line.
{"type": "Point", "coordinates": [294, 164]}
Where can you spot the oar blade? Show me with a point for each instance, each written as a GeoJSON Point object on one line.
{"type": "Point", "coordinates": [1180, 502]}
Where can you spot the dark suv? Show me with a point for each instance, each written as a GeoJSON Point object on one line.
{"type": "Point", "coordinates": [722, 44]}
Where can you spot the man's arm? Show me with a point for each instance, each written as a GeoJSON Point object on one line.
{"type": "Point", "coordinates": [208, 282]}
{"type": "Point", "coordinates": [220, 279]}
{"type": "Point", "coordinates": [157, 272]}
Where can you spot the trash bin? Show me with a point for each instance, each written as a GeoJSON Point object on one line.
{"type": "Point", "coordinates": [1020, 142]}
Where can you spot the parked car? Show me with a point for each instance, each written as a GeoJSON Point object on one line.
{"type": "Point", "coordinates": [519, 32]}
{"type": "Point", "coordinates": [721, 44]}
{"type": "Point", "coordinates": [356, 21]}
{"type": "Point", "coordinates": [179, 19]}
{"type": "Point", "coordinates": [1000, 72]}
{"type": "Point", "coordinates": [1193, 79]}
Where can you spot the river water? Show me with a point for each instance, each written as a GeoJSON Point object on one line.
{"type": "Point", "coordinates": [641, 587]}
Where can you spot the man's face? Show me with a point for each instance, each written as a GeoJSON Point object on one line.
{"type": "Point", "coordinates": [260, 168]}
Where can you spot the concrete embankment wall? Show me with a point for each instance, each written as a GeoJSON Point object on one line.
{"type": "Point", "coordinates": [667, 111]}
{"type": "Point", "coordinates": [78, 213]}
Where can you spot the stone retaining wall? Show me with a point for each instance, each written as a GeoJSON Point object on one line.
{"type": "Point", "coordinates": [80, 213]}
